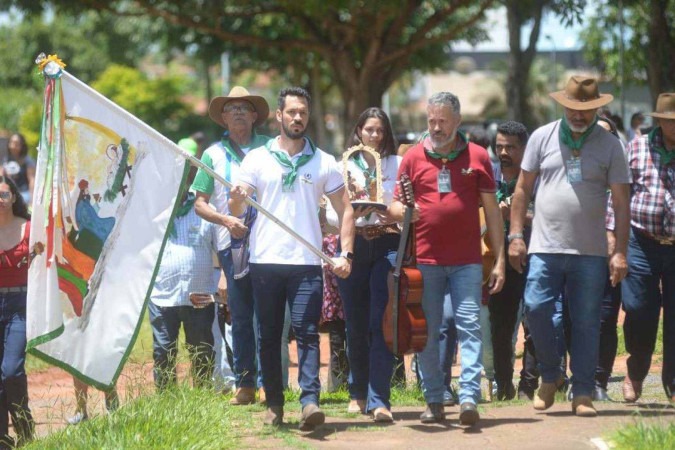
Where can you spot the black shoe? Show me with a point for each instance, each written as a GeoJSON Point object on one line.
{"type": "Point", "coordinates": [600, 395]}
{"type": "Point", "coordinates": [468, 414]}
{"type": "Point", "coordinates": [274, 416]}
{"type": "Point", "coordinates": [525, 394]}
{"type": "Point", "coordinates": [433, 414]}
{"type": "Point", "coordinates": [506, 393]}
{"type": "Point", "coordinates": [450, 397]}
{"type": "Point", "coordinates": [312, 416]}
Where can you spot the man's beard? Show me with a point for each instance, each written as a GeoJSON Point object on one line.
{"type": "Point", "coordinates": [505, 162]}
{"type": "Point", "coordinates": [576, 129]}
{"type": "Point", "coordinates": [293, 134]}
{"type": "Point", "coordinates": [443, 143]}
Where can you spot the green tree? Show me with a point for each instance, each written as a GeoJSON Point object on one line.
{"type": "Point", "coordinates": [366, 45]}
{"type": "Point", "coordinates": [529, 12]}
{"type": "Point", "coordinates": [649, 43]}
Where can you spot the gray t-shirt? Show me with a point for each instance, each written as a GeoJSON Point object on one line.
{"type": "Point", "coordinates": [570, 218]}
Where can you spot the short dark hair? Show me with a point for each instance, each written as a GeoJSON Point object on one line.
{"type": "Point", "coordinates": [388, 141]}
{"type": "Point", "coordinates": [19, 208]}
{"type": "Point", "coordinates": [295, 91]}
{"type": "Point", "coordinates": [513, 128]}
{"type": "Point", "coordinates": [479, 137]}
{"type": "Point", "coordinates": [612, 126]}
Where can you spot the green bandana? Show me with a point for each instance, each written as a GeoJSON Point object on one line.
{"type": "Point", "coordinates": [505, 190]}
{"type": "Point", "coordinates": [282, 158]}
{"type": "Point", "coordinates": [463, 144]}
{"type": "Point", "coordinates": [567, 139]}
{"type": "Point", "coordinates": [667, 155]}
{"type": "Point", "coordinates": [182, 210]}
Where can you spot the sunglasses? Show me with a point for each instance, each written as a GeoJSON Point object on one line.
{"type": "Point", "coordinates": [5, 195]}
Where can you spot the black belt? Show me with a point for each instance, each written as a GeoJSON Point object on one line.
{"type": "Point", "coordinates": [663, 240]}
{"type": "Point", "coordinates": [13, 290]}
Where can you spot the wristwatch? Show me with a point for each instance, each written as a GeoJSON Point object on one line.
{"type": "Point", "coordinates": [514, 236]}
{"type": "Point", "coordinates": [348, 255]}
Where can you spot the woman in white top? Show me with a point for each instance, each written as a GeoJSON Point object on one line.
{"type": "Point", "coordinates": [364, 293]}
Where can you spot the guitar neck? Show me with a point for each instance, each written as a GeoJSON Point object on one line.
{"type": "Point", "coordinates": [403, 243]}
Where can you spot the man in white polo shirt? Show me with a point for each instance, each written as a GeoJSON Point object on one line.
{"type": "Point", "coordinates": [289, 175]}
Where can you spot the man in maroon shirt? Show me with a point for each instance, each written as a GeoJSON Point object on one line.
{"type": "Point", "coordinates": [451, 178]}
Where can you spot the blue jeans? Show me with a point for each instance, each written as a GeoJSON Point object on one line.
{"type": "Point", "coordinates": [302, 287]}
{"type": "Point", "coordinates": [582, 279]}
{"type": "Point", "coordinates": [165, 322]}
{"type": "Point", "coordinates": [649, 263]}
{"type": "Point", "coordinates": [240, 302]}
{"type": "Point", "coordinates": [285, 357]}
{"type": "Point", "coordinates": [13, 382]}
{"type": "Point", "coordinates": [365, 295]}
{"type": "Point", "coordinates": [464, 284]}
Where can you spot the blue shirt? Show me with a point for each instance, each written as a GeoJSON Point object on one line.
{"type": "Point", "coordinates": [187, 262]}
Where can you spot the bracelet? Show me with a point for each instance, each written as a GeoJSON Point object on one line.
{"type": "Point", "coordinates": [514, 236]}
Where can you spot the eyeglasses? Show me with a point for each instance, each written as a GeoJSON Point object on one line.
{"type": "Point", "coordinates": [5, 195]}
{"type": "Point", "coordinates": [238, 108]}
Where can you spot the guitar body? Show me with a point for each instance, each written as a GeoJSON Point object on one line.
{"type": "Point", "coordinates": [412, 324]}
{"type": "Point", "coordinates": [404, 325]}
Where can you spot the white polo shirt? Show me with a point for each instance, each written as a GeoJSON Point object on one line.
{"type": "Point", "coordinates": [298, 209]}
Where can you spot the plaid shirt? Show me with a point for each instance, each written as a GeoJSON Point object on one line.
{"type": "Point", "coordinates": [652, 191]}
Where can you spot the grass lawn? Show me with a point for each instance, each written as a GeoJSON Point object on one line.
{"type": "Point", "coordinates": [641, 436]}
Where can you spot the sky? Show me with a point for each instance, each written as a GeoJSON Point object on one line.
{"type": "Point", "coordinates": [563, 38]}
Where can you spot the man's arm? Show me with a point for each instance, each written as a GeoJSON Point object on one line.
{"type": "Point", "coordinates": [233, 224]}
{"type": "Point", "coordinates": [521, 198]}
{"type": "Point", "coordinates": [238, 195]}
{"type": "Point", "coordinates": [618, 268]}
{"type": "Point", "coordinates": [495, 227]}
{"type": "Point", "coordinates": [340, 202]}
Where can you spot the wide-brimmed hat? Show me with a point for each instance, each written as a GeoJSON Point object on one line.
{"type": "Point", "coordinates": [665, 106]}
{"type": "Point", "coordinates": [239, 93]}
{"type": "Point", "coordinates": [581, 93]}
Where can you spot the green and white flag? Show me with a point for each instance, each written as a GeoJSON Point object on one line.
{"type": "Point", "coordinates": [106, 188]}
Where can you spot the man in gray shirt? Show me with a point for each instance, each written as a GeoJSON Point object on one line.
{"type": "Point", "coordinates": [575, 162]}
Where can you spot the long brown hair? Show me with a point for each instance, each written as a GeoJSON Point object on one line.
{"type": "Point", "coordinates": [19, 208]}
{"type": "Point", "coordinates": [388, 146]}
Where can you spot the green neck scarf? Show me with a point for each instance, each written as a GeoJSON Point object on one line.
{"type": "Point", "coordinates": [567, 139]}
{"type": "Point", "coordinates": [461, 143]}
{"type": "Point", "coordinates": [182, 210]}
{"type": "Point", "coordinates": [659, 145]}
{"type": "Point", "coordinates": [283, 159]}
{"type": "Point", "coordinates": [505, 190]}
{"type": "Point", "coordinates": [361, 163]}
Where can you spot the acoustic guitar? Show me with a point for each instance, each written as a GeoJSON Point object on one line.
{"type": "Point", "coordinates": [404, 325]}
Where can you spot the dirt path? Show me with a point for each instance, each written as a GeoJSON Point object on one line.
{"type": "Point", "coordinates": [519, 426]}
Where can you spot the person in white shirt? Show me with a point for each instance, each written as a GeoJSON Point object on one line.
{"type": "Point", "coordinates": [289, 175]}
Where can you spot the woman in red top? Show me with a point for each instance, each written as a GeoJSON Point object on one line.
{"type": "Point", "coordinates": [14, 257]}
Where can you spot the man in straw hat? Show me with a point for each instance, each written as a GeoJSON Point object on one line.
{"type": "Point", "coordinates": [239, 113]}
{"type": "Point", "coordinates": [575, 162]}
{"type": "Point", "coordinates": [651, 252]}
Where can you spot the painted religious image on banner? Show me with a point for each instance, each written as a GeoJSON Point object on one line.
{"type": "Point", "coordinates": [99, 178]}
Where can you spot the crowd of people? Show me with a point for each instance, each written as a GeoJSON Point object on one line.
{"type": "Point", "coordinates": [577, 224]}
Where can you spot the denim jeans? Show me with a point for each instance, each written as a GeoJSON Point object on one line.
{"type": "Point", "coordinates": [365, 295]}
{"type": "Point", "coordinates": [240, 302]}
{"type": "Point", "coordinates": [285, 357]}
{"type": "Point", "coordinates": [611, 302]}
{"type": "Point", "coordinates": [464, 284]}
{"type": "Point", "coordinates": [197, 323]}
{"type": "Point", "coordinates": [302, 287]}
{"type": "Point", "coordinates": [13, 382]}
{"type": "Point", "coordinates": [582, 279]}
{"type": "Point", "coordinates": [649, 263]}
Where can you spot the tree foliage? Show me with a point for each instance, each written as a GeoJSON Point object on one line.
{"type": "Point", "coordinates": [649, 43]}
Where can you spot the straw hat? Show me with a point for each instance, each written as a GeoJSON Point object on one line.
{"type": "Point", "coordinates": [581, 94]}
{"type": "Point", "coordinates": [239, 93]}
{"type": "Point", "coordinates": [665, 106]}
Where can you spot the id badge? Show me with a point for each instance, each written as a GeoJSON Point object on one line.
{"type": "Point", "coordinates": [285, 188]}
{"type": "Point", "coordinates": [574, 171]}
{"type": "Point", "coordinates": [444, 185]}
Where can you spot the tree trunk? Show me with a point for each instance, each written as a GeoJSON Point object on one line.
{"type": "Point", "coordinates": [661, 48]}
